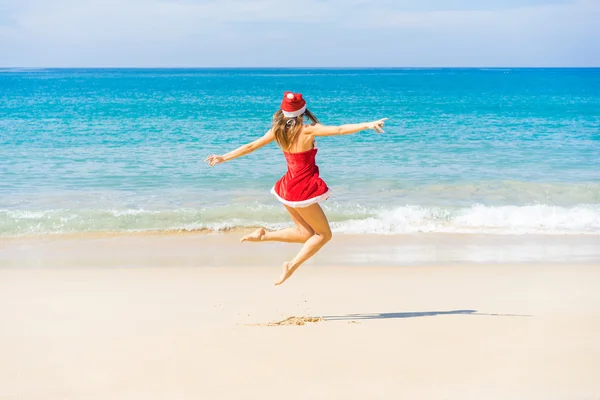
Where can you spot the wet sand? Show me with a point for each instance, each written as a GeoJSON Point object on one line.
{"type": "Point", "coordinates": [154, 249]}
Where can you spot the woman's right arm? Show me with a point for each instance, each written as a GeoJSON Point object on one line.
{"type": "Point", "coordinates": [322, 130]}
{"type": "Point", "coordinates": [242, 150]}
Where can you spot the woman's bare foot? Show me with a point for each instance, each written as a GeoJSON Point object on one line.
{"type": "Point", "coordinates": [287, 272]}
{"type": "Point", "coordinates": [255, 236]}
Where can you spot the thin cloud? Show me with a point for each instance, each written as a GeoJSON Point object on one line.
{"type": "Point", "coordinates": [293, 33]}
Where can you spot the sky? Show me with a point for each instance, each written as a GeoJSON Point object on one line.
{"type": "Point", "coordinates": [301, 33]}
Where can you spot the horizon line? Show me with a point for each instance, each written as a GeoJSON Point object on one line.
{"type": "Point", "coordinates": [300, 68]}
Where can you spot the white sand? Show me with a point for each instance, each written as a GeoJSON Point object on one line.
{"type": "Point", "coordinates": [452, 332]}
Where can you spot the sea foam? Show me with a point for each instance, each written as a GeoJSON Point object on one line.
{"type": "Point", "coordinates": [478, 219]}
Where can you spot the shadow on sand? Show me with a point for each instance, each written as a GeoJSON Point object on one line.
{"type": "Point", "coordinates": [417, 314]}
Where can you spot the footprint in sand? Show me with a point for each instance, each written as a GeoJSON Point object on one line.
{"type": "Point", "coordinates": [293, 321]}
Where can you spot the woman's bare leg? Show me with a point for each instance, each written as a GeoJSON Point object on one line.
{"type": "Point", "coordinates": [316, 219]}
{"type": "Point", "coordinates": [300, 234]}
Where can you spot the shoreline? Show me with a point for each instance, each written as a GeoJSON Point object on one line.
{"type": "Point", "coordinates": [246, 229]}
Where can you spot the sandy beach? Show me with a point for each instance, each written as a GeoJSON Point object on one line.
{"type": "Point", "coordinates": [176, 331]}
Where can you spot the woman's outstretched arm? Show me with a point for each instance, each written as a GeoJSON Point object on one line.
{"type": "Point", "coordinates": [248, 148]}
{"type": "Point", "coordinates": [322, 130]}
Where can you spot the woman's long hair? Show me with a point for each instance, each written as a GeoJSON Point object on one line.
{"type": "Point", "coordinates": [286, 129]}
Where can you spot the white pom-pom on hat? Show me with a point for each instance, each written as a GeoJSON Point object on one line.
{"type": "Point", "coordinates": [293, 105]}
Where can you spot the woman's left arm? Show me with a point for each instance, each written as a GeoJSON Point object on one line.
{"type": "Point", "coordinates": [248, 148]}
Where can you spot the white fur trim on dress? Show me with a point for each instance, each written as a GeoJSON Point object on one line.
{"type": "Point", "coordinates": [303, 203]}
{"type": "Point", "coordinates": [293, 114]}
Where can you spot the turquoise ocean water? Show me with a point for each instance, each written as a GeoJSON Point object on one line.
{"type": "Point", "coordinates": [499, 151]}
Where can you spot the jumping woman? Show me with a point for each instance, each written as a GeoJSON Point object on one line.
{"type": "Point", "coordinates": [300, 189]}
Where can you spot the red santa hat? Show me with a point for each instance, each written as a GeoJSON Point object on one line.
{"type": "Point", "coordinates": [293, 105]}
